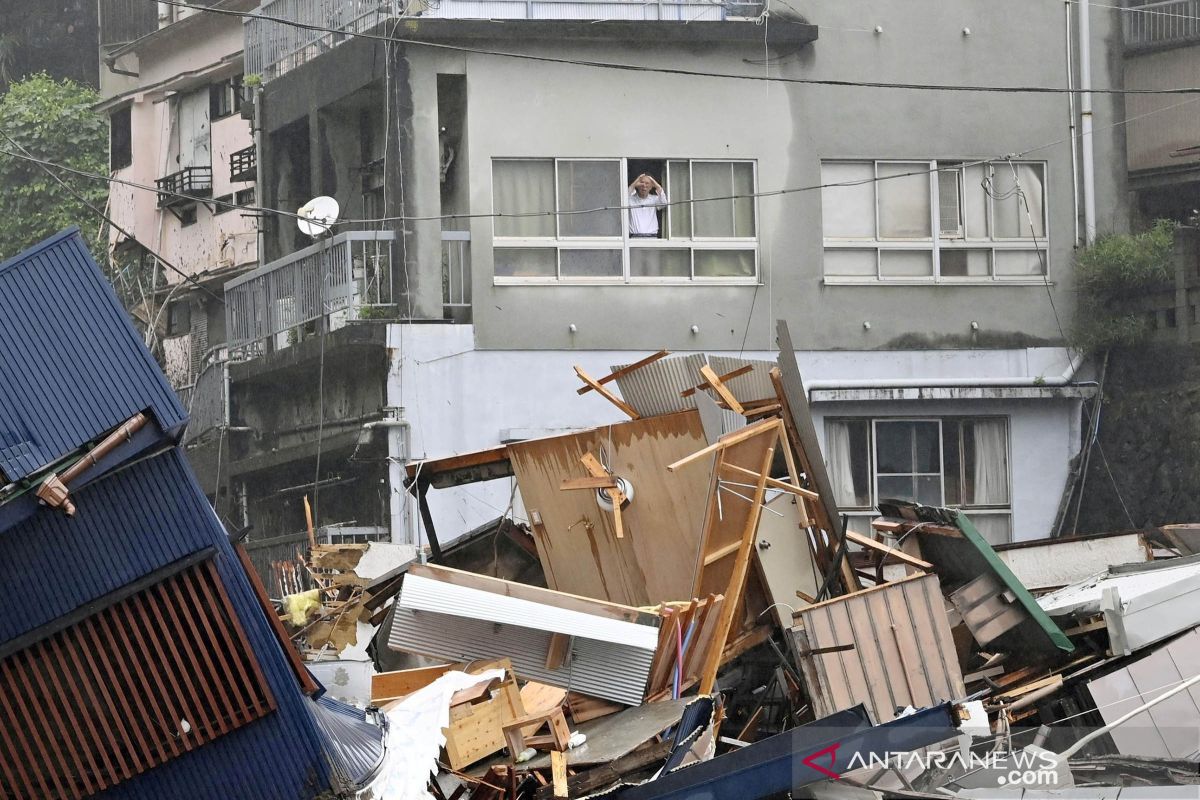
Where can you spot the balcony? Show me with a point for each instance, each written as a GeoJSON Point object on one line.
{"type": "Point", "coordinates": [243, 165]}
{"type": "Point", "coordinates": [275, 48]}
{"type": "Point", "coordinates": [184, 187]}
{"type": "Point", "coordinates": [348, 276]}
{"type": "Point", "coordinates": [1160, 25]}
{"type": "Point", "coordinates": [123, 21]}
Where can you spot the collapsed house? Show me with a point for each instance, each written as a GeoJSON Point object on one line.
{"type": "Point", "coordinates": [139, 657]}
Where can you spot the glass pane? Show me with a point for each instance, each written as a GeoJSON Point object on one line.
{"type": "Point", "coordinates": [929, 490]}
{"type": "Point", "coordinates": [851, 263]}
{"type": "Point", "coordinates": [713, 179]}
{"type": "Point", "coordinates": [589, 184]}
{"type": "Point", "coordinates": [949, 204]}
{"type": "Point", "coordinates": [848, 461]}
{"type": "Point", "coordinates": [893, 447]}
{"type": "Point", "coordinates": [523, 187]}
{"type": "Point", "coordinates": [679, 187]}
{"type": "Point", "coordinates": [1008, 207]}
{"type": "Point", "coordinates": [658, 262]}
{"type": "Point", "coordinates": [951, 462]}
{"type": "Point", "coordinates": [966, 263]}
{"type": "Point", "coordinates": [848, 211]}
{"type": "Point", "coordinates": [985, 457]}
{"type": "Point", "coordinates": [724, 263]}
{"type": "Point", "coordinates": [896, 487]}
{"type": "Point", "coordinates": [524, 262]}
{"type": "Point", "coordinates": [743, 206]}
{"type": "Point", "coordinates": [903, 201]}
{"type": "Point", "coordinates": [589, 263]}
{"type": "Point", "coordinates": [996, 528]}
{"type": "Point", "coordinates": [905, 263]}
{"type": "Point", "coordinates": [975, 202]}
{"type": "Point", "coordinates": [926, 444]}
{"type": "Point", "coordinates": [1019, 263]}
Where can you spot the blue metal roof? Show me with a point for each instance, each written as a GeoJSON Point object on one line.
{"type": "Point", "coordinates": [131, 522]}
{"type": "Point", "coordinates": [72, 367]}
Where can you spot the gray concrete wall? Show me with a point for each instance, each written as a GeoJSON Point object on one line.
{"type": "Point", "coordinates": [523, 108]}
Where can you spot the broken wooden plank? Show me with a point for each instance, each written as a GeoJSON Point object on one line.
{"type": "Point", "coordinates": [721, 389]}
{"type": "Point", "coordinates": [888, 552]}
{"type": "Point", "coordinates": [727, 376]}
{"type": "Point", "coordinates": [625, 370]}
{"type": "Point", "coordinates": [606, 482]}
{"type": "Point", "coordinates": [557, 652]}
{"type": "Point", "coordinates": [558, 768]}
{"type": "Point", "coordinates": [774, 483]}
{"type": "Point", "coordinates": [606, 394]}
{"type": "Point", "coordinates": [400, 683]}
{"type": "Point", "coordinates": [728, 440]}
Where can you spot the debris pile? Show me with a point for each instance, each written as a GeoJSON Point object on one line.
{"type": "Point", "coordinates": [683, 603]}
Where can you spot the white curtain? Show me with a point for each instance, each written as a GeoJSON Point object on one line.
{"type": "Point", "coordinates": [523, 186]}
{"type": "Point", "coordinates": [991, 462]}
{"type": "Point", "coordinates": [837, 458]}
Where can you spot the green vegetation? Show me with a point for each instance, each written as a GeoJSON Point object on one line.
{"type": "Point", "coordinates": [53, 121]}
{"type": "Point", "coordinates": [1116, 267]}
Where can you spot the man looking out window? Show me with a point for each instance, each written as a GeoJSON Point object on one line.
{"type": "Point", "coordinates": [643, 206]}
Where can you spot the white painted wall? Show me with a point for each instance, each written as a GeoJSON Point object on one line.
{"type": "Point", "coordinates": [458, 399]}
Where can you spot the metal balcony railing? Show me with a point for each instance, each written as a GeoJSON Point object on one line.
{"type": "Point", "coordinates": [181, 188]}
{"type": "Point", "coordinates": [273, 48]}
{"type": "Point", "coordinates": [456, 275]}
{"type": "Point", "coordinates": [123, 21]}
{"type": "Point", "coordinates": [350, 273]}
{"type": "Point", "coordinates": [243, 165]}
{"type": "Point", "coordinates": [1164, 24]}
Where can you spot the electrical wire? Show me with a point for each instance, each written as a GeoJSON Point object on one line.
{"type": "Point", "coordinates": [933, 87]}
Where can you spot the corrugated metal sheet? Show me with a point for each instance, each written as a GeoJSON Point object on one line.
{"type": "Point", "coordinates": [754, 385]}
{"type": "Point", "coordinates": [355, 744]}
{"type": "Point", "coordinates": [903, 651]}
{"type": "Point", "coordinates": [73, 366]}
{"type": "Point", "coordinates": [612, 671]}
{"type": "Point", "coordinates": [426, 594]}
{"type": "Point", "coordinates": [654, 389]}
{"type": "Point", "coordinates": [131, 523]}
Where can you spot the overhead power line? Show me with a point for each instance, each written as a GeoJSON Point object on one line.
{"type": "Point", "coordinates": [926, 87]}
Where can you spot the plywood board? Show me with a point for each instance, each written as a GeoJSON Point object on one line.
{"type": "Point", "coordinates": [785, 557]}
{"type": "Point", "coordinates": [903, 653]}
{"type": "Point", "coordinates": [577, 541]}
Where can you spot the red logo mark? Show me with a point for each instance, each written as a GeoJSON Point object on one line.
{"type": "Point", "coordinates": [810, 760]}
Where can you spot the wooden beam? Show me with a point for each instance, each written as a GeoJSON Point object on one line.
{"type": "Point", "coordinates": [556, 653]}
{"type": "Point", "coordinates": [606, 482]}
{"type": "Point", "coordinates": [889, 552]}
{"type": "Point", "coordinates": [737, 579]}
{"type": "Point", "coordinates": [606, 394]}
{"type": "Point", "coordinates": [721, 389]}
{"type": "Point", "coordinates": [728, 440]}
{"type": "Point", "coordinates": [727, 376]}
{"type": "Point", "coordinates": [625, 370]}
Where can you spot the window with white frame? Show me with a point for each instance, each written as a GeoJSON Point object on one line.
{"type": "Point", "coordinates": [934, 221]}
{"type": "Point", "coordinates": [560, 220]}
{"type": "Point", "coordinates": [962, 462]}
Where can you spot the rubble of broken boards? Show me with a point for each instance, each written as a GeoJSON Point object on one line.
{"type": "Point", "coordinates": [685, 614]}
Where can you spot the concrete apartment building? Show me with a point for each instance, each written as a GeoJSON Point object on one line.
{"type": "Point", "coordinates": [927, 294]}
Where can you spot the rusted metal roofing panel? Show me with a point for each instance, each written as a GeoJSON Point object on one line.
{"type": "Point", "coordinates": [73, 366]}
{"type": "Point", "coordinates": [903, 653]}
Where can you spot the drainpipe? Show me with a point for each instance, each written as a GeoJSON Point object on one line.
{"type": "Point", "coordinates": [402, 522]}
{"type": "Point", "coordinates": [1071, 127]}
{"type": "Point", "coordinates": [260, 237]}
{"type": "Point", "coordinates": [1075, 359]}
{"type": "Point", "coordinates": [1085, 113]}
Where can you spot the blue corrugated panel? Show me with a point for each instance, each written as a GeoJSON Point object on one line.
{"type": "Point", "coordinates": [354, 743]}
{"type": "Point", "coordinates": [130, 523]}
{"type": "Point", "coordinates": [71, 365]}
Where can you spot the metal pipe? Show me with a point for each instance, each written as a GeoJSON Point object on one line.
{"type": "Point", "coordinates": [1071, 127]}
{"type": "Point", "coordinates": [1085, 113]}
{"type": "Point", "coordinates": [106, 446]}
{"type": "Point", "coordinates": [1075, 748]}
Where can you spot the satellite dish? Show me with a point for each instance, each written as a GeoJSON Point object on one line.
{"type": "Point", "coordinates": [317, 215]}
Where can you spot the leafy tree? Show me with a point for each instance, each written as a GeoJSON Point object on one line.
{"type": "Point", "coordinates": [53, 121]}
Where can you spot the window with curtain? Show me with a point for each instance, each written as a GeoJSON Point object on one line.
{"type": "Point", "coordinates": [934, 221]}
{"type": "Point", "coordinates": [560, 220]}
{"type": "Point", "coordinates": [961, 462]}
